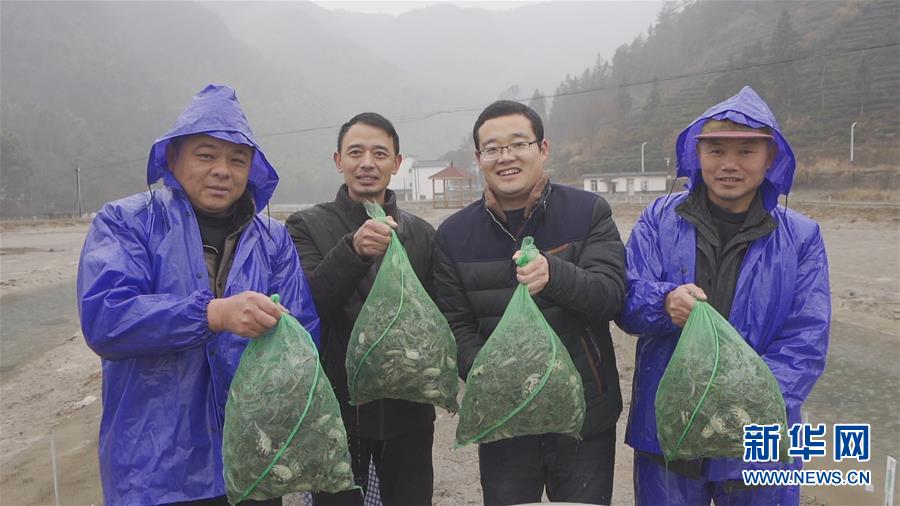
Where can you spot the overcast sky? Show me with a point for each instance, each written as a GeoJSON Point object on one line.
{"type": "Point", "coordinates": [399, 7]}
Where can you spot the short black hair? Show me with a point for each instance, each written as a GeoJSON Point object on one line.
{"type": "Point", "coordinates": [372, 119]}
{"type": "Point", "coordinates": [176, 143]}
{"type": "Point", "coordinates": [507, 108]}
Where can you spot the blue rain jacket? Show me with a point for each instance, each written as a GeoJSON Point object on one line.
{"type": "Point", "coordinates": [143, 291]}
{"type": "Point", "coordinates": [782, 302]}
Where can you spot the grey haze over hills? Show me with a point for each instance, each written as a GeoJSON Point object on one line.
{"type": "Point", "coordinates": [466, 51]}
{"type": "Point", "coordinates": [92, 84]}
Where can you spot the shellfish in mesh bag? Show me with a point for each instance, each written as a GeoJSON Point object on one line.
{"type": "Point", "coordinates": [283, 428]}
{"type": "Point", "coordinates": [714, 385]}
{"type": "Point", "coordinates": [401, 346]}
{"type": "Point", "coordinates": [523, 380]}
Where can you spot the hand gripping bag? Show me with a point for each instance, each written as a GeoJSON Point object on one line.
{"type": "Point", "coordinates": [401, 346]}
{"type": "Point", "coordinates": [283, 428]}
{"type": "Point", "coordinates": [714, 385]}
{"type": "Point", "coordinates": [523, 380]}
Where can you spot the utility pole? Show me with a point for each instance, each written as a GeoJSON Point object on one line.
{"type": "Point", "coordinates": [642, 156]}
{"type": "Point", "coordinates": [822, 91]}
{"type": "Point", "coordinates": [852, 131]}
{"type": "Point", "coordinates": [78, 188]}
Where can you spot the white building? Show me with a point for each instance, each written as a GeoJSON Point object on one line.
{"type": "Point", "coordinates": [627, 183]}
{"type": "Point", "coordinates": [411, 182]}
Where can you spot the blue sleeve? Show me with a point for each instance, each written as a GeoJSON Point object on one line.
{"type": "Point", "coordinates": [121, 317]}
{"type": "Point", "coordinates": [797, 355]}
{"type": "Point", "coordinates": [290, 282]}
{"type": "Point", "coordinates": [645, 313]}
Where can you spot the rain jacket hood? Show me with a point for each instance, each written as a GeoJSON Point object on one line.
{"type": "Point", "coordinates": [745, 108]}
{"type": "Point", "coordinates": [215, 111]}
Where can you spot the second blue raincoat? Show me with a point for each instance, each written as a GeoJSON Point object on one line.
{"type": "Point", "coordinates": [143, 291]}
{"type": "Point", "coordinates": [782, 302]}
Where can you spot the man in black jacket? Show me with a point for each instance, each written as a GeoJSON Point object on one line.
{"type": "Point", "coordinates": [577, 281]}
{"type": "Point", "coordinates": [340, 249]}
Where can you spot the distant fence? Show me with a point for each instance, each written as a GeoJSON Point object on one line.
{"type": "Point", "coordinates": [47, 216]}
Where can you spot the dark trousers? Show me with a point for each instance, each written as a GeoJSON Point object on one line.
{"type": "Point", "coordinates": [516, 470]}
{"type": "Point", "coordinates": [403, 464]}
{"type": "Point", "coordinates": [653, 485]}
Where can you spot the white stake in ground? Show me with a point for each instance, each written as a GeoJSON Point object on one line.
{"type": "Point", "coordinates": [53, 465]}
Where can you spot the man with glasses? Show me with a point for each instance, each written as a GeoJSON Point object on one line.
{"type": "Point", "coordinates": [578, 282]}
{"type": "Point", "coordinates": [341, 249]}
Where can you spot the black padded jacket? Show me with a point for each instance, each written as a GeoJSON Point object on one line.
{"type": "Point", "coordinates": [475, 278]}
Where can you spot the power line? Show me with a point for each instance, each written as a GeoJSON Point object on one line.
{"type": "Point", "coordinates": [729, 69]}
{"type": "Point", "coordinates": [300, 131]}
{"type": "Point", "coordinates": [479, 107]}
{"type": "Point", "coordinates": [676, 77]}
{"type": "Point", "coordinates": [476, 108]}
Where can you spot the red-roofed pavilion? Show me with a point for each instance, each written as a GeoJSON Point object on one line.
{"type": "Point", "coordinates": [456, 185]}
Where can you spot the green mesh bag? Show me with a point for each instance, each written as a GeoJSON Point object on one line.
{"type": "Point", "coordinates": [714, 384]}
{"type": "Point", "coordinates": [283, 428]}
{"type": "Point", "coordinates": [523, 380]}
{"type": "Point", "coordinates": [401, 346]}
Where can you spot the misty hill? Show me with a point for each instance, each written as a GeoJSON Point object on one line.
{"type": "Point", "coordinates": [841, 64]}
{"type": "Point", "coordinates": [444, 58]}
{"type": "Point", "coordinates": [92, 84]}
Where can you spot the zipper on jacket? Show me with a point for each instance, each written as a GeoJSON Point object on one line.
{"type": "Point", "coordinates": [514, 238]}
{"type": "Point", "coordinates": [502, 227]}
{"type": "Point", "coordinates": [541, 202]}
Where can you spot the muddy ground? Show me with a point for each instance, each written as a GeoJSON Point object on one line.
{"type": "Point", "coordinates": [53, 386]}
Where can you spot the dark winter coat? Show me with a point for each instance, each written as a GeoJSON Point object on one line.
{"type": "Point", "coordinates": [340, 281]}
{"type": "Point", "coordinates": [475, 278]}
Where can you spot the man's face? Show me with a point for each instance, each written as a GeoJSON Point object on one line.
{"type": "Point", "coordinates": [733, 169]}
{"type": "Point", "coordinates": [513, 175]}
{"type": "Point", "coordinates": [212, 172]}
{"type": "Point", "coordinates": [367, 160]}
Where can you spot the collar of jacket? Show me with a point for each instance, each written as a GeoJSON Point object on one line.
{"type": "Point", "coordinates": [357, 210]}
{"type": "Point", "coordinates": [243, 210]}
{"type": "Point", "coordinates": [695, 209]}
{"type": "Point", "coordinates": [239, 215]}
{"type": "Point", "coordinates": [537, 199]}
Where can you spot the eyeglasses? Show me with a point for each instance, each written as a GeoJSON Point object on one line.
{"type": "Point", "coordinates": [516, 148]}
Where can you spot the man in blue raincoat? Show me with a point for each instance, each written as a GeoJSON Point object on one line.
{"type": "Point", "coordinates": [171, 283]}
{"type": "Point", "coordinates": [762, 266]}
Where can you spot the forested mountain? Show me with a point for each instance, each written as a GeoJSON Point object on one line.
{"type": "Point", "coordinates": [90, 85]}
{"type": "Point", "coordinates": [820, 65]}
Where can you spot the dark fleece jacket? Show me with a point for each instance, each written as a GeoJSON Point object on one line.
{"type": "Point", "coordinates": [340, 281]}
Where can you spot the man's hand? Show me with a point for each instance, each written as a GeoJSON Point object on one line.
{"type": "Point", "coordinates": [680, 301]}
{"type": "Point", "coordinates": [247, 314]}
{"type": "Point", "coordinates": [373, 237]}
{"type": "Point", "coordinates": [535, 274]}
